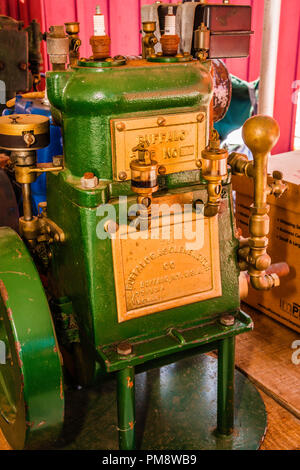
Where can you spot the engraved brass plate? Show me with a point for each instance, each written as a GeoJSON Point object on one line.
{"type": "Point", "coordinates": [153, 275]}
{"type": "Point", "coordinates": [174, 140]}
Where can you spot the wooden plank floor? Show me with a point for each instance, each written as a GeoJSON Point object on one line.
{"type": "Point", "coordinates": [265, 356]}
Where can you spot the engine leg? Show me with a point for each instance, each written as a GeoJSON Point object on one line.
{"type": "Point", "coordinates": [226, 361]}
{"type": "Point", "coordinates": [126, 408]}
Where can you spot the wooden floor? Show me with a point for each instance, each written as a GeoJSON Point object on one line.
{"type": "Point", "coordinates": [265, 356]}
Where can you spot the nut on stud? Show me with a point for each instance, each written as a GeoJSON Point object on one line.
{"type": "Point", "coordinates": [124, 349]}
{"type": "Point", "coordinates": [227, 320]}
{"type": "Point", "coordinates": [89, 181]}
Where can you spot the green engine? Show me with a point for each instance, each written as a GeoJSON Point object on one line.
{"type": "Point", "coordinates": [136, 247]}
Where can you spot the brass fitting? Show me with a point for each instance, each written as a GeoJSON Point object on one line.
{"type": "Point", "coordinates": [214, 170]}
{"type": "Point", "coordinates": [144, 180]}
{"type": "Point", "coordinates": [72, 30]}
{"type": "Point", "coordinates": [260, 134]}
{"type": "Point", "coordinates": [202, 42]}
{"type": "Point", "coordinates": [149, 39]}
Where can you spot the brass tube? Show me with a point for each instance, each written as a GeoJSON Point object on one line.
{"type": "Point", "coordinates": [26, 192]}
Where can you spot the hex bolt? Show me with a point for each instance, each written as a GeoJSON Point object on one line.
{"type": "Point", "coordinates": [89, 181]}
{"type": "Point", "coordinates": [227, 320]}
{"type": "Point", "coordinates": [124, 349]}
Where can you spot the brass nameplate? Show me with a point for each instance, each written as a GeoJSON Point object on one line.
{"type": "Point", "coordinates": [153, 275]}
{"type": "Point", "coordinates": [174, 140]}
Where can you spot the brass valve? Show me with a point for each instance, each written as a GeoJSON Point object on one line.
{"type": "Point", "coordinates": [260, 134]}
{"type": "Point", "coordinates": [72, 30]}
{"type": "Point", "coordinates": [214, 170]}
{"type": "Point", "coordinates": [144, 179]}
{"type": "Point", "coordinates": [149, 39]}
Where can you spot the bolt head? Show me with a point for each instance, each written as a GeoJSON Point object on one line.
{"type": "Point", "coordinates": [161, 121]}
{"type": "Point", "coordinates": [124, 349]}
{"type": "Point", "coordinates": [162, 170]}
{"type": "Point", "coordinates": [120, 126]}
{"type": "Point", "coordinates": [201, 117]}
{"type": "Point", "coordinates": [111, 227]}
{"type": "Point", "coordinates": [122, 175]}
{"type": "Point", "coordinates": [57, 160]}
{"type": "Point", "coordinates": [89, 181]}
{"type": "Point", "coordinates": [227, 320]}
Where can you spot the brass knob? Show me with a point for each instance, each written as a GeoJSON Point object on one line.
{"type": "Point", "coordinates": [261, 134]}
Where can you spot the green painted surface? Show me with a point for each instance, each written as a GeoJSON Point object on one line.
{"type": "Point", "coordinates": [31, 382]}
{"type": "Point", "coordinates": [87, 99]}
{"type": "Point", "coordinates": [176, 409]}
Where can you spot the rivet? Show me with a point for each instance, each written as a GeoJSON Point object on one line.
{"type": "Point", "coordinates": [201, 117]}
{"type": "Point", "coordinates": [162, 170]}
{"type": "Point", "coordinates": [122, 175]}
{"type": "Point", "coordinates": [124, 349]}
{"type": "Point", "coordinates": [121, 126]}
{"type": "Point", "coordinates": [227, 320]}
{"type": "Point", "coordinates": [199, 163]}
{"type": "Point", "coordinates": [161, 121]}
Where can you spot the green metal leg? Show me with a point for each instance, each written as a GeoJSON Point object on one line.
{"type": "Point", "coordinates": [126, 408]}
{"type": "Point", "coordinates": [226, 360]}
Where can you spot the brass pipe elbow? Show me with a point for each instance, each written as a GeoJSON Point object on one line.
{"type": "Point", "coordinates": [265, 281]}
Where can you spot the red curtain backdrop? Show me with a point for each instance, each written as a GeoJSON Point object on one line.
{"type": "Point", "coordinates": [123, 25]}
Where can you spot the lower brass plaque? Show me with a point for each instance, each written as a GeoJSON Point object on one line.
{"type": "Point", "coordinates": [175, 141]}
{"type": "Point", "coordinates": [155, 274]}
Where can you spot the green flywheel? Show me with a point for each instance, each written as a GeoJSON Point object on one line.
{"type": "Point", "coordinates": [31, 381]}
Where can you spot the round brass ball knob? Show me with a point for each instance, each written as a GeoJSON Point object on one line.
{"type": "Point", "coordinates": [261, 134]}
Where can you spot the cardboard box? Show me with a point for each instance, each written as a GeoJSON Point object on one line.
{"type": "Point", "coordinates": [282, 303]}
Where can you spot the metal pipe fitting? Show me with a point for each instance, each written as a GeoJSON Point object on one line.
{"type": "Point", "coordinates": [214, 170]}
{"type": "Point", "coordinates": [260, 134]}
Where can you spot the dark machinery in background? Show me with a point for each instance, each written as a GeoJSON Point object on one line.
{"type": "Point", "coordinates": [20, 57]}
{"type": "Point", "coordinates": [206, 30]}
{"type": "Point", "coordinates": [137, 134]}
